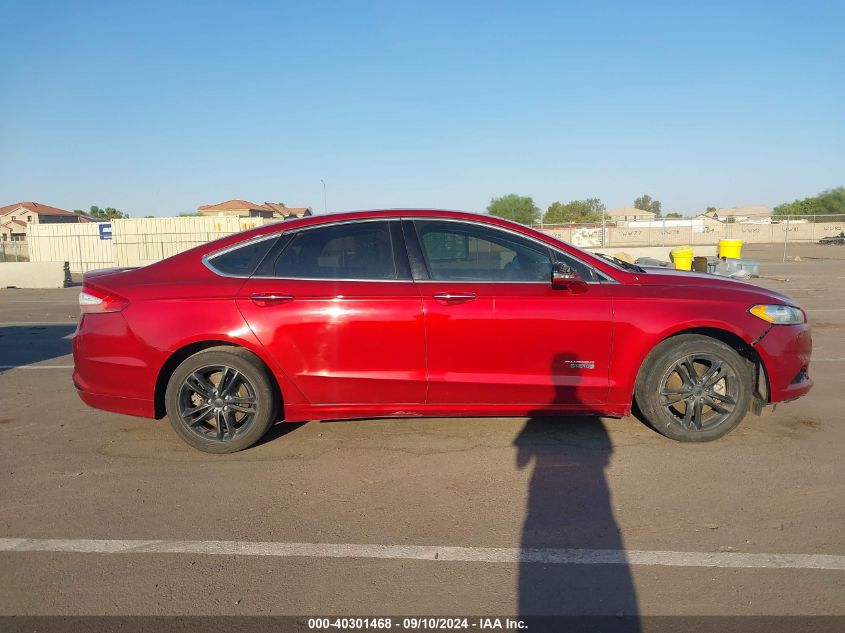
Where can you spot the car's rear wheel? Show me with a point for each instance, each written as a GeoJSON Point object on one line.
{"type": "Point", "coordinates": [693, 388]}
{"type": "Point", "coordinates": [220, 400]}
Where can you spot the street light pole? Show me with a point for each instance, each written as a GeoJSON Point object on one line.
{"type": "Point", "coordinates": [324, 194]}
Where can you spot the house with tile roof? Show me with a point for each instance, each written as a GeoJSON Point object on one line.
{"type": "Point", "coordinates": [247, 209]}
{"type": "Point", "coordinates": [14, 218]}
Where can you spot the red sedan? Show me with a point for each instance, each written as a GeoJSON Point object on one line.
{"type": "Point", "coordinates": [427, 313]}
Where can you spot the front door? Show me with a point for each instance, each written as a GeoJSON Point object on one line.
{"type": "Point", "coordinates": [497, 332]}
{"type": "Point", "coordinates": [337, 309]}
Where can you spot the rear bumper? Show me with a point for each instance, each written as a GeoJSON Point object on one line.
{"type": "Point", "coordinates": [786, 351]}
{"type": "Point", "coordinates": [127, 406]}
{"type": "Point", "coordinates": [112, 367]}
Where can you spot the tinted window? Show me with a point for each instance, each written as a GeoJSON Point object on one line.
{"type": "Point", "coordinates": [357, 250]}
{"type": "Point", "coordinates": [244, 260]}
{"type": "Point", "coordinates": [456, 251]}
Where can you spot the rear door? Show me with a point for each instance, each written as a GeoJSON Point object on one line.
{"type": "Point", "coordinates": [336, 307]}
{"type": "Point", "coordinates": [497, 332]}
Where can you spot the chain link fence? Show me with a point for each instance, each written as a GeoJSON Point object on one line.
{"type": "Point", "coordinates": [17, 251]}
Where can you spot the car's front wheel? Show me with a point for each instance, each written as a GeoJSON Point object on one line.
{"type": "Point", "coordinates": [693, 388]}
{"type": "Point", "coordinates": [221, 400]}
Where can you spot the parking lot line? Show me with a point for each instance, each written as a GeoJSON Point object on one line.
{"type": "Point", "coordinates": [34, 323]}
{"type": "Point", "coordinates": [430, 553]}
{"type": "Point", "coordinates": [36, 366]}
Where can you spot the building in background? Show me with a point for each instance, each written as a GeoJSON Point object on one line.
{"type": "Point", "coordinates": [627, 214]}
{"type": "Point", "coordinates": [14, 219]}
{"type": "Point", "coordinates": [749, 214]}
{"type": "Point", "coordinates": [247, 209]}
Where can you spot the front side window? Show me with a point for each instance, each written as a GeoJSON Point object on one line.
{"type": "Point", "coordinates": [357, 250]}
{"type": "Point", "coordinates": [455, 251]}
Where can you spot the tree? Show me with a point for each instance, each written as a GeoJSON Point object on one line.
{"type": "Point", "coordinates": [646, 203]}
{"type": "Point", "coordinates": [515, 207]}
{"type": "Point", "coordinates": [673, 216]}
{"type": "Point", "coordinates": [711, 210]}
{"type": "Point", "coordinates": [828, 202]}
{"type": "Point", "coordinates": [109, 213]}
{"type": "Point", "coordinates": [580, 211]}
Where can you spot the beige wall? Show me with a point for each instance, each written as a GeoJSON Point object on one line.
{"type": "Point", "coordinates": [133, 243]}
{"type": "Point", "coordinates": [674, 236]}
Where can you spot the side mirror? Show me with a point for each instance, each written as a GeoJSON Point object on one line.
{"type": "Point", "coordinates": [565, 277]}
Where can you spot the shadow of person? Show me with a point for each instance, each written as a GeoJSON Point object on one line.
{"type": "Point", "coordinates": [569, 508]}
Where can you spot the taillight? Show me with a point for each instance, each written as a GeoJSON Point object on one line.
{"type": "Point", "coordinates": [93, 300]}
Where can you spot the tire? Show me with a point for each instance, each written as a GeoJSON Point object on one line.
{"type": "Point", "coordinates": [698, 408]}
{"type": "Point", "coordinates": [221, 400]}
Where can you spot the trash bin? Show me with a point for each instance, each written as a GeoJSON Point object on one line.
{"type": "Point", "coordinates": [730, 249]}
{"type": "Point", "coordinates": [682, 257]}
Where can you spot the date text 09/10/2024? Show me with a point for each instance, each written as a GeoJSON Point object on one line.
{"type": "Point", "coordinates": [411, 623]}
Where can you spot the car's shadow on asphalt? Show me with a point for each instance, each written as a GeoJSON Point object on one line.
{"type": "Point", "coordinates": [279, 429]}
{"type": "Point", "coordinates": [27, 344]}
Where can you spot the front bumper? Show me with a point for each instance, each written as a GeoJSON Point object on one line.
{"type": "Point", "coordinates": [785, 351]}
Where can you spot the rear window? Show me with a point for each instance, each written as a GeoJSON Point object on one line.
{"type": "Point", "coordinates": [242, 260]}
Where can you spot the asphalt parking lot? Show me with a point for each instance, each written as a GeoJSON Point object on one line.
{"type": "Point", "coordinates": [422, 516]}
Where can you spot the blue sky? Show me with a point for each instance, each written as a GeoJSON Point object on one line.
{"type": "Point", "coordinates": [157, 107]}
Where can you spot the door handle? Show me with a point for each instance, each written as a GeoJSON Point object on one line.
{"type": "Point", "coordinates": [452, 297]}
{"type": "Point", "coordinates": [269, 299]}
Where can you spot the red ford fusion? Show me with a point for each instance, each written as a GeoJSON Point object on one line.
{"type": "Point", "coordinates": [427, 313]}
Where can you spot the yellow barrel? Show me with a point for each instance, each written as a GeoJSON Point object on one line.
{"type": "Point", "coordinates": [682, 256]}
{"type": "Point", "coordinates": [730, 249]}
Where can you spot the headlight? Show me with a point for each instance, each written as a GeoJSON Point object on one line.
{"type": "Point", "coordinates": [779, 315]}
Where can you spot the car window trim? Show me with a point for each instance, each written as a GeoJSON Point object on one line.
{"type": "Point", "coordinates": [603, 277]}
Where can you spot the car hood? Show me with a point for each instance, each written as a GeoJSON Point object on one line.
{"type": "Point", "coordinates": [688, 281]}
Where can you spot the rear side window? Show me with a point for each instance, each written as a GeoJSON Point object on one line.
{"type": "Point", "coordinates": [242, 260]}
{"type": "Point", "coordinates": [358, 250]}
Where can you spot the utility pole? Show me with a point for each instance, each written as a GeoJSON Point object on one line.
{"type": "Point", "coordinates": [324, 194]}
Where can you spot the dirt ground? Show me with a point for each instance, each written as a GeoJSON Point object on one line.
{"type": "Point", "coordinates": [774, 486]}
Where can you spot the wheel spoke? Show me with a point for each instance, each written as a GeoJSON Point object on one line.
{"type": "Point", "coordinates": [710, 402]}
{"type": "Point", "coordinates": [696, 416]}
{"type": "Point", "coordinates": [687, 421]}
{"type": "Point", "coordinates": [229, 422]}
{"type": "Point", "coordinates": [240, 409]}
{"type": "Point", "coordinates": [674, 399]}
{"type": "Point", "coordinates": [248, 401]}
{"type": "Point", "coordinates": [715, 377]}
{"type": "Point", "coordinates": [719, 396]}
{"type": "Point", "coordinates": [711, 372]}
{"type": "Point", "coordinates": [220, 423]}
{"type": "Point", "coordinates": [197, 414]}
{"type": "Point", "coordinates": [200, 385]}
{"type": "Point", "coordinates": [228, 381]}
